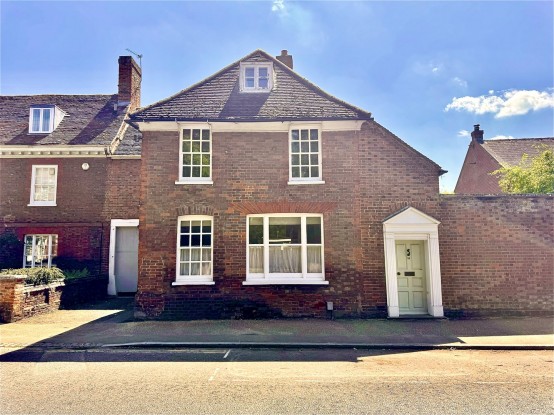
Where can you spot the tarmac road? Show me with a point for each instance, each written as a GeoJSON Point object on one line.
{"type": "Point", "coordinates": [276, 381]}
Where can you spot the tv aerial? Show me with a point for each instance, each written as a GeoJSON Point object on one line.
{"type": "Point", "coordinates": [137, 55]}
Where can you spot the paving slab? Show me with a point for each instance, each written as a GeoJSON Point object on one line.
{"type": "Point", "coordinates": [110, 323]}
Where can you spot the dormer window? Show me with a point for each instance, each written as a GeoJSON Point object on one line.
{"type": "Point", "coordinates": [256, 77]}
{"type": "Point", "coordinates": [43, 119]}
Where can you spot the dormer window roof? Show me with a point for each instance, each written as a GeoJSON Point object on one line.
{"type": "Point", "coordinates": [256, 76]}
{"type": "Point", "coordinates": [43, 119]}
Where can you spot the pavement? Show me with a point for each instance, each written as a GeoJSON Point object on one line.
{"type": "Point", "coordinates": [110, 324]}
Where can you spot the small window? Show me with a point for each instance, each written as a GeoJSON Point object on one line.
{"type": "Point", "coordinates": [43, 186]}
{"type": "Point", "coordinates": [40, 250]}
{"type": "Point", "coordinates": [196, 155]}
{"type": "Point", "coordinates": [256, 77]}
{"type": "Point", "coordinates": [41, 120]}
{"type": "Point", "coordinates": [194, 249]}
{"type": "Point", "coordinates": [305, 154]}
{"type": "Point", "coordinates": [285, 248]}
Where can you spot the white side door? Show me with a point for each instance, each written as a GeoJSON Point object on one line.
{"type": "Point", "coordinates": [126, 259]}
{"type": "Point", "coordinates": [410, 272]}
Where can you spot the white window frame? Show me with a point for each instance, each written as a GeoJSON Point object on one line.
{"type": "Point", "coordinates": [33, 249]}
{"type": "Point", "coordinates": [193, 279]}
{"type": "Point", "coordinates": [256, 66]}
{"type": "Point", "coordinates": [194, 180]}
{"type": "Point", "coordinates": [34, 202]}
{"type": "Point", "coordinates": [32, 118]}
{"type": "Point", "coordinates": [267, 278]}
{"type": "Point", "coordinates": [306, 180]}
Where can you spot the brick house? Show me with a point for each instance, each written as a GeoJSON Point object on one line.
{"type": "Point", "coordinates": [69, 179]}
{"type": "Point", "coordinates": [264, 195]}
{"type": "Point", "coordinates": [256, 193]}
{"type": "Point", "coordinates": [485, 156]}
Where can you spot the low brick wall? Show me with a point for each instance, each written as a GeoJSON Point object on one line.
{"type": "Point", "coordinates": [18, 300]}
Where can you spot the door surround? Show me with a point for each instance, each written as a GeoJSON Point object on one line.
{"type": "Point", "coordinates": [115, 223]}
{"type": "Point", "coordinates": [410, 224]}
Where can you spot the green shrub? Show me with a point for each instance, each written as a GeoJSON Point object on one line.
{"type": "Point", "coordinates": [75, 274]}
{"type": "Point", "coordinates": [36, 276]}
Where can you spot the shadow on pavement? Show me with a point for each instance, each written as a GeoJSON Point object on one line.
{"type": "Point", "coordinates": [37, 355]}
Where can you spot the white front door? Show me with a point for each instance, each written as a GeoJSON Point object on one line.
{"type": "Point", "coordinates": [126, 259]}
{"type": "Point", "coordinates": [410, 272]}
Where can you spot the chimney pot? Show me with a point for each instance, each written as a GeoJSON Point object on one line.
{"type": "Point", "coordinates": [285, 58]}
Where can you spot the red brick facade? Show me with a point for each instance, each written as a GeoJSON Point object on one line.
{"type": "Point", "coordinates": [475, 176]}
{"type": "Point", "coordinates": [86, 202]}
{"type": "Point", "coordinates": [250, 175]}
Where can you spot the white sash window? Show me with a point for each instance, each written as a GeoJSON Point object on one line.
{"type": "Point", "coordinates": [285, 249]}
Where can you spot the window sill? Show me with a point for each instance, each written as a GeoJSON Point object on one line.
{"type": "Point", "coordinates": [295, 182]}
{"type": "Point", "coordinates": [287, 281]}
{"type": "Point", "coordinates": [42, 204]}
{"type": "Point", "coordinates": [194, 182]}
{"type": "Point", "coordinates": [193, 283]}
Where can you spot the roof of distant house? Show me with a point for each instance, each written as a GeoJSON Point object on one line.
{"type": "Point", "coordinates": [508, 152]}
{"type": "Point", "coordinates": [89, 120]}
{"type": "Point", "coordinates": [218, 98]}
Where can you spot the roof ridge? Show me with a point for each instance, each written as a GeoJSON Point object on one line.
{"type": "Point", "coordinates": [519, 139]}
{"type": "Point", "coordinates": [314, 88]}
{"type": "Point", "coordinates": [193, 86]}
{"type": "Point", "coordinates": [56, 95]}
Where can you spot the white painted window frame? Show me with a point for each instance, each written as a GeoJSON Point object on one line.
{"type": "Point", "coordinates": [256, 66]}
{"type": "Point", "coordinates": [196, 279]}
{"type": "Point", "coordinates": [267, 278]}
{"type": "Point", "coordinates": [424, 229]}
{"type": "Point", "coordinates": [306, 180]}
{"type": "Point", "coordinates": [33, 249]}
{"type": "Point", "coordinates": [116, 223]}
{"type": "Point", "coordinates": [50, 124]}
{"type": "Point", "coordinates": [194, 180]}
{"type": "Point", "coordinates": [34, 202]}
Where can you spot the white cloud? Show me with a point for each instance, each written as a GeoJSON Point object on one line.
{"type": "Point", "coordinates": [501, 137]}
{"type": "Point", "coordinates": [278, 6]}
{"type": "Point", "coordinates": [300, 21]}
{"type": "Point", "coordinates": [459, 81]}
{"type": "Point", "coordinates": [506, 104]}
{"type": "Point", "coordinates": [464, 133]}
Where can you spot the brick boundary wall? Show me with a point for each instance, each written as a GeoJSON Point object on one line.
{"type": "Point", "coordinates": [18, 300]}
{"type": "Point", "coordinates": [497, 254]}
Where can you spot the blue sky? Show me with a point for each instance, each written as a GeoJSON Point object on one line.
{"type": "Point", "coordinates": [426, 70]}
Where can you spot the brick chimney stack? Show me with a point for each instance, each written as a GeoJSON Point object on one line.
{"type": "Point", "coordinates": [130, 76]}
{"type": "Point", "coordinates": [477, 134]}
{"type": "Point", "coordinates": [285, 58]}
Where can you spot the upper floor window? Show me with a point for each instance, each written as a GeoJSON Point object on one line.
{"type": "Point", "coordinates": [41, 120]}
{"type": "Point", "coordinates": [39, 250]}
{"type": "Point", "coordinates": [43, 185]}
{"type": "Point", "coordinates": [194, 250]}
{"type": "Point", "coordinates": [256, 77]}
{"type": "Point", "coordinates": [305, 155]}
{"type": "Point", "coordinates": [195, 156]}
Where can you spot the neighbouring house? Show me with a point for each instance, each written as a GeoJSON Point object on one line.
{"type": "Point", "coordinates": [69, 180]}
{"type": "Point", "coordinates": [263, 195]}
{"type": "Point", "coordinates": [486, 156]}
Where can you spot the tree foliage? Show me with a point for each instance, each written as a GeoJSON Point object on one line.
{"type": "Point", "coordinates": [531, 175]}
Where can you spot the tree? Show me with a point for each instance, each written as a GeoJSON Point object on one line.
{"type": "Point", "coordinates": [531, 175]}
